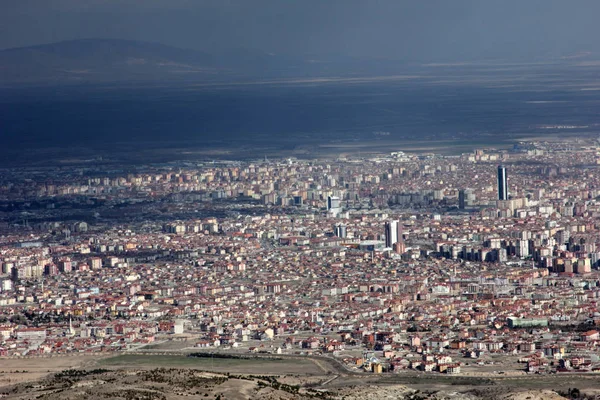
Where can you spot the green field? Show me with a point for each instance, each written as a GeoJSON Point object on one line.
{"type": "Point", "coordinates": [239, 366]}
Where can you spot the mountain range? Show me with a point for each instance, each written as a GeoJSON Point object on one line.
{"type": "Point", "coordinates": [100, 61]}
{"type": "Point", "coordinates": [115, 60]}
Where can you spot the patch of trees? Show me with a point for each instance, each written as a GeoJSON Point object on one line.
{"type": "Point", "coordinates": [80, 373]}
{"type": "Point", "coordinates": [231, 356]}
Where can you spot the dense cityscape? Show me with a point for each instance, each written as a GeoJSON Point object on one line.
{"type": "Point", "coordinates": [475, 264]}
{"type": "Point", "coordinates": [299, 200]}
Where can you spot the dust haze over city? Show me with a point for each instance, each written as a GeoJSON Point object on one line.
{"type": "Point", "coordinates": [299, 199]}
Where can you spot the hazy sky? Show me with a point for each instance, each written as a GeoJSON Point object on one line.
{"type": "Point", "coordinates": [436, 30]}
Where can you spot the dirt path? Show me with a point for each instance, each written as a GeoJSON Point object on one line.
{"type": "Point", "coordinates": [318, 364]}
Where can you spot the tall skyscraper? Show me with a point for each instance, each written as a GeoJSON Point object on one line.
{"type": "Point", "coordinates": [399, 246]}
{"type": "Point", "coordinates": [340, 230]}
{"type": "Point", "coordinates": [502, 183]}
{"type": "Point", "coordinates": [466, 198]}
{"type": "Point", "coordinates": [333, 202]}
{"type": "Point", "coordinates": [393, 233]}
{"type": "Point", "coordinates": [334, 205]}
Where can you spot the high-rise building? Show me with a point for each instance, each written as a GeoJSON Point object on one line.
{"type": "Point", "coordinates": [502, 183]}
{"type": "Point", "coordinates": [393, 233]}
{"type": "Point", "coordinates": [340, 230]}
{"type": "Point", "coordinates": [466, 198]}
{"type": "Point", "coordinates": [334, 206]}
{"type": "Point", "coordinates": [333, 202]}
{"type": "Point", "coordinates": [522, 248]}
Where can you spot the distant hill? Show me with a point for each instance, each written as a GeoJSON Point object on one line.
{"type": "Point", "coordinates": [113, 60]}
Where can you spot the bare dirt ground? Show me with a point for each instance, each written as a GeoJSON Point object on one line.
{"type": "Point", "coordinates": [17, 370]}
{"type": "Point", "coordinates": [533, 395]}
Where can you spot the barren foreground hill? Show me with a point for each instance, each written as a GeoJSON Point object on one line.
{"type": "Point", "coordinates": [180, 383]}
{"type": "Point", "coordinates": [156, 384]}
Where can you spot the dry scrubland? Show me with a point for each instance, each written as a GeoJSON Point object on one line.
{"type": "Point", "coordinates": [179, 377]}
{"type": "Point", "coordinates": [31, 369]}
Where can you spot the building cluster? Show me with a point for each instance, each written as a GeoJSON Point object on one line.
{"type": "Point", "coordinates": [388, 263]}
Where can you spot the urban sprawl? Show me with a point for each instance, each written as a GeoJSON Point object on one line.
{"type": "Point", "coordinates": [485, 262]}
